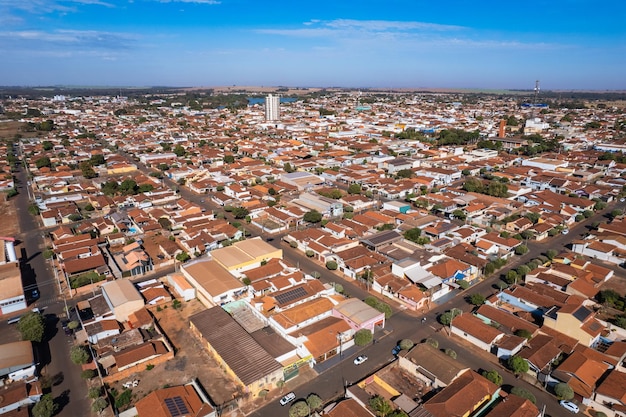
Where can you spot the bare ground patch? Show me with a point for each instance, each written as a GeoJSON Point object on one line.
{"type": "Point", "coordinates": [190, 362]}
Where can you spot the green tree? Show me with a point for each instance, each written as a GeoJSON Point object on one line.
{"type": "Point", "coordinates": [331, 265]}
{"type": "Point", "coordinates": [433, 342]}
{"type": "Point", "coordinates": [533, 217]}
{"type": "Point", "coordinates": [229, 159]}
{"type": "Point", "coordinates": [312, 216]}
{"type": "Point", "coordinates": [406, 344]}
{"type": "Point", "coordinates": [354, 189]}
{"type": "Point", "coordinates": [381, 406]}
{"type": "Point", "coordinates": [314, 401]}
{"type": "Point", "coordinates": [524, 333]}
{"type": "Point", "coordinates": [459, 214]}
{"type": "Point", "coordinates": [522, 270]}
{"type": "Point", "coordinates": [183, 257]}
{"type": "Point", "coordinates": [563, 391]}
{"type": "Point", "coordinates": [44, 161]}
{"type": "Point", "coordinates": [473, 184]}
{"type": "Point", "coordinates": [551, 254]}
{"type": "Point", "coordinates": [288, 168]}
{"type": "Point", "coordinates": [95, 392]}
{"type": "Point", "coordinates": [524, 393]}
{"type": "Point", "coordinates": [46, 407]}
{"type": "Point", "coordinates": [88, 374]}
{"type": "Point", "coordinates": [413, 234]}
{"type": "Point", "coordinates": [511, 277]}
{"type": "Point", "coordinates": [405, 173]}
{"type": "Point", "coordinates": [521, 249]}
{"type": "Point", "coordinates": [179, 150]}
{"type": "Point", "coordinates": [451, 353]}
{"type": "Point", "coordinates": [99, 405]}
{"type": "Point", "coordinates": [363, 337]}
{"type": "Point", "coordinates": [128, 187]}
{"type": "Point", "coordinates": [299, 409]}
{"type": "Point", "coordinates": [477, 299]}
{"type": "Point", "coordinates": [447, 317]}
{"type": "Point", "coordinates": [517, 364]}
{"type": "Point", "coordinates": [240, 212]}
{"type": "Point", "coordinates": [79, 355]}
{"type": "Point", "coordinates": [97, 159]}
{"type": "Point", "coordinates": [123, 399]}
{"type": "Point", "coordinates": [31, 327]}
{"type": "Point", "coordinates": [493, 376]}
{"type": "Point", "coordinates": [47, 145]}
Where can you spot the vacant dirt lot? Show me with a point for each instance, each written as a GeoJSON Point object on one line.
{"type": "Point", "coordinates": [9, 226]}
{"type": "Point", "coordinates": [191, 360]}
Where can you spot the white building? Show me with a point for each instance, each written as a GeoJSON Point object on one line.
{"type": "Point", "coordinates": [272, 108]}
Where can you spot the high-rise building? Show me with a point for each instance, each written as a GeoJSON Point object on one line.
{"type": "Point", "coordinates": [272, 108]}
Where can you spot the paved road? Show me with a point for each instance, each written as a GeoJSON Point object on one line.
{"type": "Point", "coordinates": [70, 391]}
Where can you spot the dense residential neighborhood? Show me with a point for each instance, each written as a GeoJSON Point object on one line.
{"type": "Point", "coordinates": [209, 259]}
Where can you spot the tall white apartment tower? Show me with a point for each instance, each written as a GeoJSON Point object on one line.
{"type": "Point", "coordinates": [272, 108]}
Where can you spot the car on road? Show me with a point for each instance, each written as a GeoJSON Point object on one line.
{"type": "Point", "coordinates": [569, 406]}
{"type": "Point", "coordinates": [360, 359]}
{"type": "Point", "coordinates": [34, 294]}
{"type": "Point", "coordinates": [289, 397]}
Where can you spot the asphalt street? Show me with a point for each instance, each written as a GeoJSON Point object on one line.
{"type": "Point", "coordinates": [69, 389]}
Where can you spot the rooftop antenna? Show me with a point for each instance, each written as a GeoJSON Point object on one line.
{"type": "Point", "coordinates": [532, 113]}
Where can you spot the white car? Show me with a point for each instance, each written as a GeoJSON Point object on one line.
{"type": "Point", "coordinates": [287, 398]}
{"type": "Point", "coordinates": [565, 231]}
{"type": "Point", "coordinates": [360, 359]}
{"type": "Point", "coordinates": [569, 406]}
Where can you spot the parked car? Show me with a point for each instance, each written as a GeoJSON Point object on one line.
{"type": "Point", "coordinates": [289, 397]}
{"type": "Point", "coordinates": [396, 350]}
{"type": "Point", "coordinates": [565, 231]}
{"type": "Point", "coordinates": [34, 294]}
{"type": "Point", "coordinates": [360, 359]}
{"type": "Point", "coordinates": [569, 406]}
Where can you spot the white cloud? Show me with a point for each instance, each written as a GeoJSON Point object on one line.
{"type": "Point", "coordinates": [49, 6]}
{"type": "Point", "coordinates": [393, 34]}
{"type": "Point", "coordinates": [67, 38]}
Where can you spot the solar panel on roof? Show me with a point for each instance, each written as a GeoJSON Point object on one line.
{"type": "Point", "coordinates": [176, 406]}
{"type": "Point", "coordinates": [291, 295]}
{"type": "Point", "coordinates": [581, 314]}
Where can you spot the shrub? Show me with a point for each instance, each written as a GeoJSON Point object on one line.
{"type": "Point", "coordinates": [450, 353]}
{"type": "Point", "coordinates": [463, 284]}
{"type": "Point", "coordinates": [88, 374]}
{"type": "Point", "coordinates": [433, 342]}
{"type": "Point", "coordinates": [406, 344]}
{"type": "Point", "coordinates": [95, 392]}
{"type": "Point", "coordinates": [149, 367]}
{"type": "Point", "coordinates": [123, 399]}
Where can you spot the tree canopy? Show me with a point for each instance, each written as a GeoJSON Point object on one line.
{"type": "Point", "coordinates": [312, 216]}
{"type": "Point", "coordinates": [31, 327]}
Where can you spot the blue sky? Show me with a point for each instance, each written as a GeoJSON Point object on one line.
{"type": "Point", "coordinates": [566, 44]}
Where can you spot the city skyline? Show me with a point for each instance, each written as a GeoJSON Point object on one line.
{"type": "Point", "coordinates": [398, 44]}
